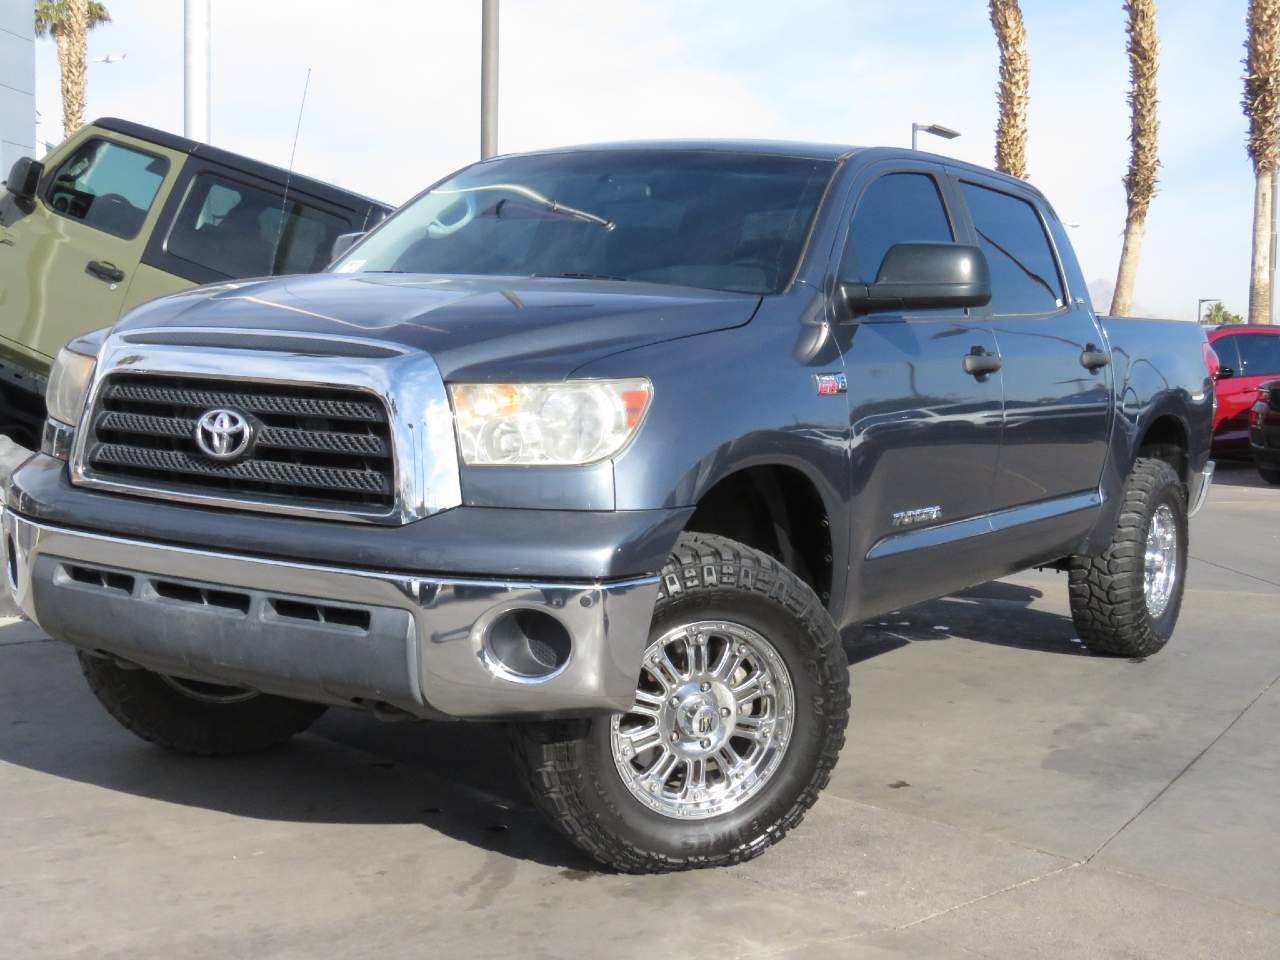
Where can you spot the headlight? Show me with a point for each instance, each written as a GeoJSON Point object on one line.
{"type": "Point", "coordinates": [68, 384]}
{"type": "Point", "coordinates": [548, 424]}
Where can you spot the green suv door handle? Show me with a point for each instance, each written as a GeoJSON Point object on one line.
{"type": "Point", "coordinates": [104, 271]}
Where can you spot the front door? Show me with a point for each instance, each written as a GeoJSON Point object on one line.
{"type": "Point", "coordinates": [69, 260]}
{"type": "Point", "coordinates": [1057, 379]}
{"type": "Point", "coordinates": [924, 433]}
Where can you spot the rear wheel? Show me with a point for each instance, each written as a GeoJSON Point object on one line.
{"type": "Point", "coordinates": [191, 716]}
{"type": "Point", "coordinates": [1269, 474]}
{"type": "Point", "coordinates": [738, 719]}
{"type": "Point", "coordinates": [1126, 600]}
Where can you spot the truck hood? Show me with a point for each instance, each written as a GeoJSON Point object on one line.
{"type": "Point", "coordinates": [480, 328]}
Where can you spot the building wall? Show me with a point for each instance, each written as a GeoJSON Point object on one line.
{"type": "Point", "coordinates": [17, 83]}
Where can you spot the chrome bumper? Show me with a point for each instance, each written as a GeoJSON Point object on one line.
{"type": "Point", "coordinates": [320, 633]}
{"type": "Point", "coordinates": [1198, 491]}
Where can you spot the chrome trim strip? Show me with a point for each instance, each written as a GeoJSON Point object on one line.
{"type": "Point", "coordinates": [1200, 484]}
{"type": "Point", "coordinates": [408, 384]}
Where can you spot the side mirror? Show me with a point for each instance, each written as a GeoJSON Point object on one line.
{"type": "Point", "coordinates": [1225, 373]}
{"type": "Point", "coordinates": [922, 276]}
{"type": "Point", "coordinates": [342, 243]}
{"type": "Point", "coordinates": [24, 179]}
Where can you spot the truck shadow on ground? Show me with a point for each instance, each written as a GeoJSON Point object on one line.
{"type": "Point", "coordinates": [457, 780]}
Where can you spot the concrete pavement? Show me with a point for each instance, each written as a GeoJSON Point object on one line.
{"type": "Point", "coordinates": [1003, 794]}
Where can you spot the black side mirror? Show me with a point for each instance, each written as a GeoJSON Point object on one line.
{"type": "Point", "coordinates": [24, 179]}
{"type": "Point", "coordinates": [342, 243]}
{"type": "Point", "coordinates": [1225, 373]}
{"type": "Point", "coordinates": [922, 276]}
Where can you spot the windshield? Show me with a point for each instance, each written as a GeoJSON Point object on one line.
{"type": "Point", "coordinates": [721, 221]}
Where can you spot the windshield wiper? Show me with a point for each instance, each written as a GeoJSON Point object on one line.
{"type": "Point", "coordinates": [543, 201]}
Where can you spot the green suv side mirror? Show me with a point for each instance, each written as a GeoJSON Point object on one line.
{"type": "Point", "coordinates": [24, 179]}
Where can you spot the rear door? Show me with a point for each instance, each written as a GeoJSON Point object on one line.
{"type": "Point", "coordinates": [1057, 375]}
{"type": "Point", "coordinates": [222, 224]}
{"type": "Point", "coordinates": [73, 255]}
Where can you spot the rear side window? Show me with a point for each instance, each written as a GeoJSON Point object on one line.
{"type": "Point", "coordinates": [1259, 353]}
{"type": "Point", "coordinates": [897, 208]}
{"type": "Point", "coordinates": [108, 187]}
{"type": "Point", "coordinates": [1228, 357]}
{"type": "Point", "coordinates": [1024, 274]}
{"type": "Point", "coordinates": [238, 230]}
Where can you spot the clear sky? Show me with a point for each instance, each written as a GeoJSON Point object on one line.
{"type": "Point", "coordinates": [394, 96]}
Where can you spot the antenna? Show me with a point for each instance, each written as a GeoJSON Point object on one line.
{"type": "Point", "coordinates": [288, 179]}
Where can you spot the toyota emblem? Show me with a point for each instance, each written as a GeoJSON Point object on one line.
{"type": "Point", "coordinates": [223, 435]}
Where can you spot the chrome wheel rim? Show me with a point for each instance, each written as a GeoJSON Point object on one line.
{"type": "Point", "coordinates": [1160, 570]}
{"type": "Point", "coordinates": [711, 722]}
{"type": "Point", "coordinates": [208, 692]}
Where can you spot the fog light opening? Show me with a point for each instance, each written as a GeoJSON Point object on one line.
{"type": "Point", "coordinates": [527, 645]}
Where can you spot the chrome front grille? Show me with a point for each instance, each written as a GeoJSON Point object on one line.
{"type": "Point", "coordinates": [328, 447]}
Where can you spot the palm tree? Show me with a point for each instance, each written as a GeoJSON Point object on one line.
{"type": "Point", "coordinates": [1262, 107]}
{"type": "Point", "coordinates": [69, 21]}
{"type": "Point", "coordinates": [1140, 183]}
{"type": "Point", "coordinates": [1015, 82]}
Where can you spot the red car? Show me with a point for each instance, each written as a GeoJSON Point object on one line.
{"type": "Point", "coordinates": [1248, 355]}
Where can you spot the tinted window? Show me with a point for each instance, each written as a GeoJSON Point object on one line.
{"type": "Point", "coordinates": [712, 219]}
{"type": "Point", "coordinates": [242, 231]}
{"type": "Point", "coordinates": [1024, 275]}
{"type": "Point", "coordinates": [898, 208]}
{"type": "Point", "coordinates": [1225, 348]}
{"type": "Point", "coordinates": [1260, 353]}
{"type": "Point", "coordinates": [108, 187]}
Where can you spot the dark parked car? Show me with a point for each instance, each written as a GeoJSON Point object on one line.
{"type": "Point", "coordinates": [1264, 431]}
{"type": "Point", "coordinates": [610, 443]}
{"type": "Point", "coordinates": [1247, 356]}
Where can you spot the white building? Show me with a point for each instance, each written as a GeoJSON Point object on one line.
{"type": "Point", "coordinates": [17, 83]}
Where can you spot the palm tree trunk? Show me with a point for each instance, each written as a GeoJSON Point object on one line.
{"type": "Point", "coordinates": [72, 38]}
{"type": "Point", "coordinates": [1014, 90]}
{"type": "Point", "coordinates": [1260, 275]}
{"type": "Point", "coordinates": [1262, 107]}
{"type": "Point", "coordinates": [1140, 182]}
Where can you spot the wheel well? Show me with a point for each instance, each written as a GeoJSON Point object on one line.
{"type": "Point", "coordinates": [1166, 440]}
{"type": "Point", "coordinates": [777, 510]}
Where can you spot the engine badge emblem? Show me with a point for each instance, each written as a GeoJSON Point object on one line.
{"type": "Point", "coordinates": [224, 435]}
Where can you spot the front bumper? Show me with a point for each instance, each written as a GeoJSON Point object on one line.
{"type": "Point", "coordinates": [1199, 488]}
{"type": "Point", "coordinates": [324, 633]}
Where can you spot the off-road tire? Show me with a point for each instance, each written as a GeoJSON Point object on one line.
{"type": "Point", "coordinates": [1108, 602]}
{"type": "Point", "coordinates": [569, 767]}
{"type": "Point", "coordinates": [1270, 475]}
{"type": "Point", "coordinates": [145, 704]}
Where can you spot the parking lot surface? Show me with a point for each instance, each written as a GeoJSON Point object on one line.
{"type": "Point", "coordinates": [1003, 794]}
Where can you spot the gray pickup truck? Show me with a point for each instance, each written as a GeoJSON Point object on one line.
{"type": "Point", "coordinates": [610, 443]}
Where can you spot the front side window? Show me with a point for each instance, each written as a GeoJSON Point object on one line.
{"type": "Point", "coordinates": [108, 187]}
{"type": "Point", "coordinates": [1024, 273]}
{"type": "Point", "coordinates": [897, 208]}
{"type": "Point", "coordinates": [1259, 354]}
{"type": "Point", "coordinates": [710, 219]}
{"type": "Point", "coordinates": [238, 230]}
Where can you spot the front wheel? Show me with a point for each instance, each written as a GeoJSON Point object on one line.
{"type": "Point", "coordinates": [1269, 474]}
{"type": "Point", "coordinates": [738, 720]}
{"type": "Point", "coordinates": [1125, 601]}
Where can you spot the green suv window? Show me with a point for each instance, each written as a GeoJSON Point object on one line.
{"type": "Point", "coordinates": [107, 186]}
{"type": "Point", "coordinates": [242, 231]}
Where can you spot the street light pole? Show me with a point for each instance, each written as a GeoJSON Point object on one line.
{"type": "Point", "coordinates": [937, 129]}
{"type": "Point", "coordinates": [195, 49]}
{"type": "Point", "coordinates": [489, 79]}
{"type": "Point", "coordinates": [1200, 306]}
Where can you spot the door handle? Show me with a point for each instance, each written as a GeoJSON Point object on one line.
{"type": "Point", "coordinates": [978, 363]}
{"type": "Point", "coordinates": [1091, 358]}
{"type": "Point", "coordinates": [104, 271]}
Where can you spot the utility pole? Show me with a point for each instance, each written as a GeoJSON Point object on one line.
{"type": "Point", "coordinates": [195, 76]}
{"type": "Point", "coordinates": [489, 79]}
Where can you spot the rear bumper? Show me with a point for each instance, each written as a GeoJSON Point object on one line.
{"type": "Point", "coordinates": [325, 633]}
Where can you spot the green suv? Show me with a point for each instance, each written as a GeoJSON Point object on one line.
{"type": "Point", "coordinates": [121, 213]}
